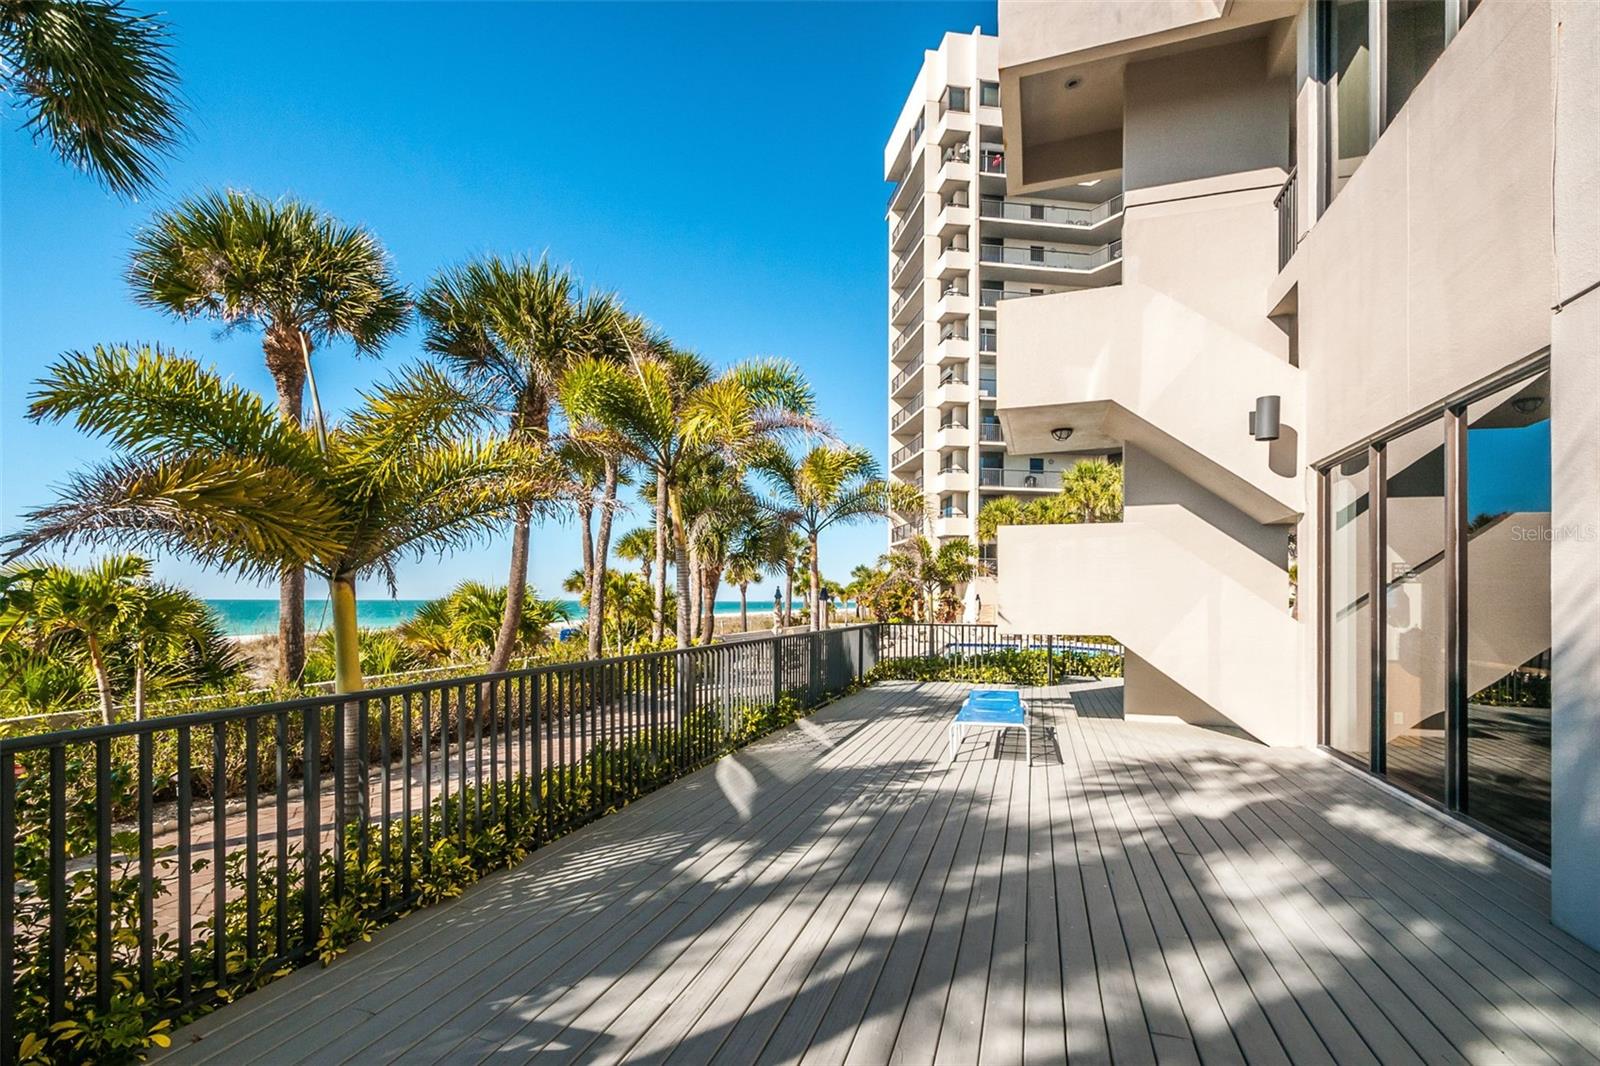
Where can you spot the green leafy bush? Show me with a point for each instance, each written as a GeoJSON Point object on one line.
{"type": "Point", "coordinates": [1006, 666]}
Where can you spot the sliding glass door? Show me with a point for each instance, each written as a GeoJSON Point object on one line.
{"type": "Point", "coordinates": [1452, 657]}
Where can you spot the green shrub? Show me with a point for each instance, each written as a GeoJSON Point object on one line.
{"type": "Point", "coordinates": [1006, 666]}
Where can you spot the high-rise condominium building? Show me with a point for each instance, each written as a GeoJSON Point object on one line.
{"type": "Point", "coordinates": [1351, 356]}
{"type": "Point", "coordinates": [959, 247]}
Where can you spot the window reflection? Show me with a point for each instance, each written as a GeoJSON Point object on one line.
{"type": "Point", "coordinates": [1415, 577]}
{"type": "Point", "coordinates": [1414, 40]}
{"type": "Point", "coordinates": [1352, 89]}
{"type": "Point", "coordinates": [1350, 609]}
{"type": "Point", "coordinates": [1508, 612]}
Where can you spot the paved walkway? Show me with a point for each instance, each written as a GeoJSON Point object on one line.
{"type": "Point", "coordinates": [841, 893]}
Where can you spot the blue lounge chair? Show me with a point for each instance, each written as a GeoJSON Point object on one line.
{"type": "Point", "coordinates": [1001, 709]}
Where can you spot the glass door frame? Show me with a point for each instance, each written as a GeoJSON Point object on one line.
{"type": "Point", "coordinates": [1454, 413]}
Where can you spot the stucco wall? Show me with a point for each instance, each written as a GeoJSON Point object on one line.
{"type": "Point", "coordinates": [1200, 114]}
{"type": "Point", "coordinates": [1432, 268]}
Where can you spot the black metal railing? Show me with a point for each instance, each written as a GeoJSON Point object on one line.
{"type": "Point", "coordinates": [1287, 205]}
{"type": "Point", "coordinates": [190, 857]}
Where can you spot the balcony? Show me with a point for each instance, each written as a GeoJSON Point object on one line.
{"type": "Point", "coordinates": [988, 340]}
{"type": "Point", "coordinates": [904, 455]}
{"type": "Point", "coordinates": [1036, 258]}
{"type": "Point", "coordinates": [952, 479]}
{"type": "Point", "coordinates": [990, 433]}
{"type": "Point", "coordinates": [953, 389]}
{"type": "Point", "coordinates": [900, 313]}
{"type": "Point", "coordinates": [992, 161]}
{"type": "Point", "coordinates": [906, 413]}
{"type": "Point", "coordinates": [906, 225]}
{"type": "Point", "coordinates": [954, 302]}
{"type": "Point", "coordinates": [1000, 210]}
{"type": "Point", "coordinates": [991, 477]}
{"type": "Point", "coordinates": [952, 524]}
{"type": "Point", "coordinates": [902, 342]}
{"type": "Point", "coordinates": [953, 435]}
{"type": "Point", "coordinates": [900, 272]}
{"type": "Point", "coordinates": [902, 532]}
{"type": "Point", "coordinates": [988, 387]}
{"type": "Point", "coordinates": [904, 378]}
{"type": "Point", "coordinates": [911, 180]}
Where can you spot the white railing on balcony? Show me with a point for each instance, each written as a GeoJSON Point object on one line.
{"type": "Point", "coordinates": [902, 454]}
{"type": "Point", "coordinates": [906, 296]}
{"type": "Point", "coordinates": [906, 413]}
{"type": "Point", "coordinates": [996, 207]}
{"type": "Point", "coordinates": [990, 431]}
{"type": "Point", "coordinates": [904, 376]}
{"type": "Point", "coordinates": [995, 477]}
{"type": "Point", "coordinates": [1054, 258]}
{"type": "Point", "coordinates": [904, 337]}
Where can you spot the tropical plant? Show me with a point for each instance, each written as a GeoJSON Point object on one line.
{"type": "Point", "coordinates": [203, 469]}
{"type": "Point", "coordinates": [383, 652]}
{"type": "Point", "coordinates": [300, 276]}
{"type": "Point", "coordinates": [829, 486]}
{"type": "Point", "coordinates": [936, 571]}
{"type": "Point", "coordinates": [1092, 490]}
{"type": "Point", "coordinates": [91, 603]}
{"type": "Point", "coordinates": [509, 329]}
{"type": "Point", "coordinates": [669, 409]}
{"type": "Point", "coordinates": [95, 81]}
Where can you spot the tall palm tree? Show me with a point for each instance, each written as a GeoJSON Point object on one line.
{"type": "Point", "coordinates": [669, 409]}
{"type": "Point", "coordinates": [203, 469]}
{"type": "Point", "coordinates": [160, 622]}
{"type": "Point", "coordinates": [638, 545]}
{"type": "Point", "coordinates": [301, 277]}
{"type": "Point", "coordinates": [936, 570]}
{"type": "Point", "coordinates": [95, 82]}
{"type": "Point", "coordinates": [510, 329]}
{"type": "Point", "coordinates": [92, 603]}
{"type": "Point", "coordinates": [829, 486]}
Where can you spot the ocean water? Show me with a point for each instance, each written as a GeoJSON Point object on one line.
{"type": "Point", "coordinates": [245, 618]}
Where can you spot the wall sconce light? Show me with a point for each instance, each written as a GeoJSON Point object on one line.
{"type": "Point", "coordinates": [1264, 421]}
{"type": "Point", "coordinates": [1528, 404]}
{"type": "Point", "coordinates": [1061, 432]}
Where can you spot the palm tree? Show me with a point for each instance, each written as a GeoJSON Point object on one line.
{"type": "Point", "coordinates": [935, 570]}
{"type": "Point", "coordinates": [160, 623]}
{"type": "Point", "coordinates": [668, 409]}
{"type": "Point", "coordinates": [203, 469]}
{"type": "Point", "coordinates": [301, 277]}
{"type": "Point", "coordinates": [638, 545]}
{"type": "Point", "coordinates": [829, 486]}
{"type": "Point", "coordinates": [510, 328]}
{"type": "Point", "coordinates": [1092, 491]}
{"type": "Point", "coordinates": [791, 554]}
{"type": "Point", "coordinates": [96, 82]}
{"type": "Point", "coordinates": [92, 603]}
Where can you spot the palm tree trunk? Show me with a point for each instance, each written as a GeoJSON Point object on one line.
{"type": "Point", "coordinates": [102, 678]}
{"type": "Point", "coordinates": [505, 641]}
{"type": "Point", "coordinates": [350, 798]}
{"type": "Point", "coordinates": [287, 361]}
{"type": "Point", "coordinates": [694, 590]}
{"type": "Point", "coordinates": [816, 586]}
{"type": "Point", "coordinates": [602, 553]}
{"type": "Point", "coordinates": [138, 684]}
{"type": "Point", "coordinates": [744, 606]}
{"type": "Point", "coordinates": [788, 589]}
{"type": "Point", "coordinates": [586, 517]}
{"type": "Point", "coordinates": [711, 581]}
{"type": "Point", "coordinates": [658, 621]}
{"type": "Point", "coordinates": [681, 553]}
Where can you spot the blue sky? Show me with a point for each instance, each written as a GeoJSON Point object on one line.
{"type": "Point", "coordinates": [719, 165]}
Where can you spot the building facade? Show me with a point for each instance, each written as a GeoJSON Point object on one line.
{"type": "Point", "coordinates": [1350, 357]}
{"type": "Point", "coordinates": [959, 247]}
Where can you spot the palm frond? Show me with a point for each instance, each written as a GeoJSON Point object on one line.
{"type": "Point", "coordinates": [97, 84]}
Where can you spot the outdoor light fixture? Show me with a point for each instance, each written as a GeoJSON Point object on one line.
{"type": "Point", "coordinates": [1264, 419]}
{"type": "Point", "coordinates": [1528, 404]}
{"type": "Point", "coordinates": [1061, 432]}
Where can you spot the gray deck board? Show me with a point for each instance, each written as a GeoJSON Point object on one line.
{"type": "Point", "coordinates": [1142, 892]}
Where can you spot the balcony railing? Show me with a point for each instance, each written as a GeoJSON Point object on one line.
{"type": "Point", "coordinates": [952, 333]}
{"type": "Point", "coordinates": [956, 153]}
{"type": "Point", "coordinates": [1287, 205]}
{"type": "Point", "coordinates": [904, 337]}
{"type": "Point", "coordinates": [902, 531]}
{"type": "Point", "coordinates": [904, 376]}
{"type": "Point", "coordinates": [906, 296]}
{"type": "Point", "coordinates": [991, 161]}
{"type": "Point", "coordinates": [992, 297]}
{"type": "Point", "coordinates": [990, 431]}
{"type": "Point", "coordinates": [1016, 211]}
{"type": "Point", "coordinates": [906, 413]}
{"type": "Point", "coordinates": [902, 454]}
{"type": "Point", "coordinates": [988, 341]}
{"type": "Point", "coordinates": [995, 477]}
{"type": "Point", "coordinates": [987, 388]}
{"type": "Point", "coordinates": [1053, 258]}
{"type": "Point", "coordinates": [910, 217]}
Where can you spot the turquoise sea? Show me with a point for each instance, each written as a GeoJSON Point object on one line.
{"type": "Point", "coordinates": [244, 618]}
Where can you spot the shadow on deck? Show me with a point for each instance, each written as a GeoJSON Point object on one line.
{"type": "Point", "coordinates": [841, 892]}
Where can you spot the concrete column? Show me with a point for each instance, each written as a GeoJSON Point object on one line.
{"type": "Point", "coordinates": [1575, 457]}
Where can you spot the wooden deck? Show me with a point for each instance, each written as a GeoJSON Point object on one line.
{"type": "Point", "coordinates": [837, 893]}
